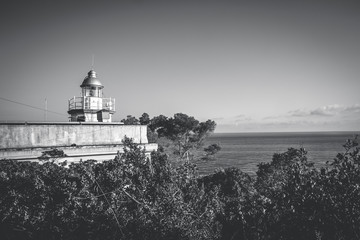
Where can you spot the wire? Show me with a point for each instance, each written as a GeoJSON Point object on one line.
{"type": "Point", "coordinates": [27, 105]}
{"type": "Point", "coordinates": [42, 109]}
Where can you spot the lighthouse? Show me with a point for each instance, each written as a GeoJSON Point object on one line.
{"type": "Point", "coordinates": [91, 106]}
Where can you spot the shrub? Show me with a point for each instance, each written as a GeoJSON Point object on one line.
{"type": "Point", "coordinates": [135, 197]}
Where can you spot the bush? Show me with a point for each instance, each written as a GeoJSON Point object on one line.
{"type": "Point", "coordinates": [129, 197]}
{"type": "Point", "coordinates": [134, 197]}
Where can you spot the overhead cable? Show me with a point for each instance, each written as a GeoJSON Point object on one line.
{"type": "Point", "coordinates": [27, 105]}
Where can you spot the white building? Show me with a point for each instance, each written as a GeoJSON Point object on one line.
{"type": "Point", "coordinates": [91, 106]}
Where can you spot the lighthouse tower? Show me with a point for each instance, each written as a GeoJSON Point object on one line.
{"type": "Point", "coordinates": [91, 106]}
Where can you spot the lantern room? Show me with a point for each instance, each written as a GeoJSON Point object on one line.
{"type": "Point", "coordinates": [91, 86]}
{"type": "Point", "coordinates": [91, 106]}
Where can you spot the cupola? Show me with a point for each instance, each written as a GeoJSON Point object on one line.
{"type": "Point", "coordinates": [91, 80]}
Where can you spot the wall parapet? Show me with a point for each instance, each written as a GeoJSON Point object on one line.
{"type": "Point", "coordinates": [55, 134]}
{"type": "Point", "coordinates": [62, 123]}
{"type": "Point", "coordinates": [74, 153]}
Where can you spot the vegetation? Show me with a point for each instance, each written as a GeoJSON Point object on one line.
{"type": "Point", "coordinates": [132, 197]}
{"type": "Point", "coordinates": [130, 120]}
{"type": "Point", "coordinates": [180, 136]}
{"type": "Point", "coordinates": [211, 150]}
{"type": "Point", "coordinates": [185, 133]}
{"type": "Point", "coordinates": [136, 197]}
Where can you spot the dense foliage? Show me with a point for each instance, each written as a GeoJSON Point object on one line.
{"type": "Point", "coordinates": [133, 197]}
{"type": "Point", "coordinates": [185, 133]}
{"type": "Point", "coordinates": [180, 136]}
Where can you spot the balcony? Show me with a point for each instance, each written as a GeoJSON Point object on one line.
{"type": "Point", "coordinates": [92, 103]}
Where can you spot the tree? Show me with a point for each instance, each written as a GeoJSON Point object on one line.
{"type": "Point", "coordinates": [211, 150]}
{"type": "Point", "coordinates": [234, 194]}
{"type": "Point", "coordinates": [129, 197]}
{"type": "Point", "coordinates": [52, 155]}
{"type": "Point", "coordinates": [185, 132]}
{"type": "Point", "coordinates": [302, 202]}
{"type": "Point", "coordinates": [130, 120]}
{"type": "Point", "coordinates": [286, 189]}
{"type": "Point", "coordinates": [340, 180]}
{"type": "Point", "coordinates": [133, 197]}
{"type": "Point", "coordinates": [144, 119]}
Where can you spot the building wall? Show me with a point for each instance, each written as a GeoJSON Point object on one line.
{"type": "Point", "coordinates": [74, 153]}
{"type": "Point", "coordinates": [28, 135]}
{"type": "Point", "coordinates": [91, 117]}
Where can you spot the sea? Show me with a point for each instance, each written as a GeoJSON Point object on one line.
{"type": "Point", "coordinates": [246, 150]}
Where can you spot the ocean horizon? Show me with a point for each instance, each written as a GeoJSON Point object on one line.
{"type": "Point", "coordinates": [246, 150]}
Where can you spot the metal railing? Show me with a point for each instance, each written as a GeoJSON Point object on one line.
{"type": "Point", "coordinates": [92, 103]}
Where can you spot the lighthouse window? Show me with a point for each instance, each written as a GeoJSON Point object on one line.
{"type": "Point", "coordinates": [93, 91]}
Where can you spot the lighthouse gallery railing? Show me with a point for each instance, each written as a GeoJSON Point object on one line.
{"type": "Point", "coordinates": [92, 103]}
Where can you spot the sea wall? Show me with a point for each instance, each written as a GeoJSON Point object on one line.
{"type": "Point", "coordinates": [55, 134]}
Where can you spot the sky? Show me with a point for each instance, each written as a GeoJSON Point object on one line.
{"type": "Point", "coordinates": [251, 66]}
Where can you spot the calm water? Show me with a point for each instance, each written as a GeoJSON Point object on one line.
{"type": "Point", "coordinates": [246, 150]}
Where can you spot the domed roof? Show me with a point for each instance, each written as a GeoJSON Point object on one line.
{"type": "Point", "coordinates": [91, 80]}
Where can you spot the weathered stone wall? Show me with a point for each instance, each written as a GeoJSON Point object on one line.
{"type": "Point", "coordinates": [74, 154]}
{"type": "Point", "coordinates": [28, 135]}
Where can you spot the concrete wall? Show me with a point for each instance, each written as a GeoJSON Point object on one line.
{"type": "Point", "coordinates": [74, 154]}
{"type": "Point", "coordinates": [28, 135]}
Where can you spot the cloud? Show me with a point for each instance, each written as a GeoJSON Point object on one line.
{"type": "Point", "coordinates": [242, 118]}
{"type": "Point", "coordinates": [326, 111]}
{"type": "Point", "coordinates": [333, 117]}
{"type": "Point", "coordinates": [233, 120]}
{"type": "Point", "coordinates": [299, 113]}
{"type": "Point", "coordinates": [329, 110]}
{"type": "Point", "coordinates": [353, 109]}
